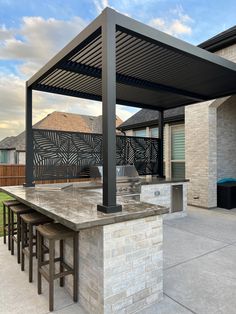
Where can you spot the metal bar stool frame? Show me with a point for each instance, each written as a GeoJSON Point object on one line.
{"type": "Point", "coordinates": [28, 222]}
{"type": "Point", "coordinates": [16, 233]}
{"type": "Point", "coordinates": [6, 220]}
{"type": "Point", "coordinates": [64, 269]}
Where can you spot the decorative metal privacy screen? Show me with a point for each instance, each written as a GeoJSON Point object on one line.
{"type": "Point", "coordinates": [67, 155]}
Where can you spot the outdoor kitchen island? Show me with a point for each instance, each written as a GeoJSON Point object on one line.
{"type": "Point", "coordinates": [115, 60]}
{"type": "Point", "coordinates": [120, 254]}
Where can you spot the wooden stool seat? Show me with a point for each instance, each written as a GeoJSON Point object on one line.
{"type": "Point", "coordinates": [18, 210]}
{"type": "Point", "coordinates": [11, 202]}
{"type": "Point", "coordinates": [6, 220]}
{"type": "Point", "coordinates": [35, 218]}
{"type": "Point", "coordinates": [16, 233]}
{"type": "Point", "coordinates": [54, 232]}
{"type": "Point", "coordinates": [28, 221]}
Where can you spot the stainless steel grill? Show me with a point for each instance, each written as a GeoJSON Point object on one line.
{"type": "Point", "coordinates": [127, 179]}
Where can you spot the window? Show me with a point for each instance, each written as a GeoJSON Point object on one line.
{"type": "Point", "coordinates": [140, 132]}
{"type": "Point", "coordinates": [154, 132]}
{"type": "Point", "coordinates": [3, 156]}
{"type": "Point", "coordinates": [177, 151]}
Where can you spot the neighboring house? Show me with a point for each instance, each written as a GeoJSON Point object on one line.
{"type": "Point", "coordinates": [12, 149]}
{"type": "Point", "coordinates": [209, 128]}
{"type": "Point", "coordinates": [145, 123]}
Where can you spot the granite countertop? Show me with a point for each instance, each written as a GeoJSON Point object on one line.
{"type": "Point", "coordinates": [157, 180]}
{"type": "Point", "coordinates": [76, 206]}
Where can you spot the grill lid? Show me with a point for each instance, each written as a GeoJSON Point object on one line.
{"type": "Point", "coordinates": [123, 173]}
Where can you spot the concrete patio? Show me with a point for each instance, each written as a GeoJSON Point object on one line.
{"type": "Point", "coordinates": [199, 270]}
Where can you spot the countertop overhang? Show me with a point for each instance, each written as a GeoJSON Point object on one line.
{"type": "Point", "coordinates": [76, 207]}
{"type": "Point", "coordinates": [157, 180]}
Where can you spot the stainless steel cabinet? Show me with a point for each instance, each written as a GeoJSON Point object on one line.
{"type": "Point", "coordinates": [177, 198]}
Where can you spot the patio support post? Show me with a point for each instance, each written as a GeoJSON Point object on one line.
{"type": "Point", "coordinates": [161, 147]}
{"type": "Point", "coordinates": [109, 113]}
{"type": "Point", "coordinates": [29, 139]}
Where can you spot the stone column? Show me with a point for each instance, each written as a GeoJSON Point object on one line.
{"type": "Point", "coordinates": [200, 154]}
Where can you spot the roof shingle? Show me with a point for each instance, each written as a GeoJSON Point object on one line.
{"type": "Point", "coordinates": [150, 117]}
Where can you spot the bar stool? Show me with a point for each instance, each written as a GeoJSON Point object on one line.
{"type": "Point", "coordinates": [56, 232]}
{"type": "Point", "coordinates": [28, 221]}
{"type": "Point", "coordinates": [17, 210]}
{"type": "Point", "coordinates": [6, 220]}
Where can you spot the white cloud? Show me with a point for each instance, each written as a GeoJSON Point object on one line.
{"type": "Point", "coordinates": [11, 105]}
{"type": "Point", "coordinates": [100, 5]}
{"type": "Point", "coordinates": [177, 23]}
{"type": "Point", "coordinates": [38, 39]}
{"type": "Point", "coordinates": [34, 43]}
{"type": "Point", "coordinates": [125, 114]}
{"type": "Point", "coordinates": [5, 33]}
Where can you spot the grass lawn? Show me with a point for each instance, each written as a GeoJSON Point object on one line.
{"type": "Point", "coordinates": [3, 197]}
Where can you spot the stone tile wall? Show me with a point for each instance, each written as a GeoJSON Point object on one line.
{"type": "Point", "coordinates": [120, 266]}
{"type": "Point", "coordinates": [226, 139]}
{"type": "Point", "coordinates": [208, 147]}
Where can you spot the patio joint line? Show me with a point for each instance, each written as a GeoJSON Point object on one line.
{"type": "Point", "coordinates": [203, 236]}
{"type": "Point", "coordinates": [197, 257]}
{"type": "Point", "coordinates": [184, 306]}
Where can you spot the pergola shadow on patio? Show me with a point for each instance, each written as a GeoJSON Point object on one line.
{"type": "Point", "coordinates": [119, 60]}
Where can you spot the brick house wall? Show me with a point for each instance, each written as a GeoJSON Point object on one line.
{"type": "Point", "coordinates": [210, 143]}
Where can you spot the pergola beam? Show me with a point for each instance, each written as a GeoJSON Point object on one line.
{"type": "Point", "coordinates": [78, 94]}
{"type": "Point", "coordinates": [76, 67]}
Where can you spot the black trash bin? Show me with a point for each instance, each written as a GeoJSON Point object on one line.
{"type": "Point", "coordinates": [226, 195]}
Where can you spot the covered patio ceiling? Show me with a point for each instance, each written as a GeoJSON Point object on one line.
{"type": "Point", "coordinates": [153, 70]}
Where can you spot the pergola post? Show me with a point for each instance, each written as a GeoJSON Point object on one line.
{"type": "Point", "coordinates": [29, 138]}
{"type": "Point", "coordinates": [109, 114]}
{"type": "Point", "coordinates": [161, 145]}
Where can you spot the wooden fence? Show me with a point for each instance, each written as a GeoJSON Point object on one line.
{"type": "Point", "coordinates": [12, 174]}
{"type": "Point", "coordinates": [15, 175]}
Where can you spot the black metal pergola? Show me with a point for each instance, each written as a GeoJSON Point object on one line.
{"type": "Point", "coordinates": [118, 60]}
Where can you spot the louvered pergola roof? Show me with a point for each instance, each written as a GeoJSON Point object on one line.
{"type": "Point", "coordinates": [153, 70]}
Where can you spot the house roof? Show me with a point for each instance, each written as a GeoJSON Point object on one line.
{"type": "Point", "coordinates": [153, 70]}
{"type": "Point", "coordinates": [147, 117]}
{"type": "Point", "coordinates": [220, 41]}
{"type": "Point", "coordinates": [61, 121]}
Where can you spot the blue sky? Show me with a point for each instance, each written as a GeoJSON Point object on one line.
{"type": "Point", "coordinates": [31, 32]}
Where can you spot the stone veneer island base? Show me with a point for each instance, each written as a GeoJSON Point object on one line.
{"type": "Point", "coordinates": [121, 266]}
{"type": "Point", "coordinates": [120, 255]}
